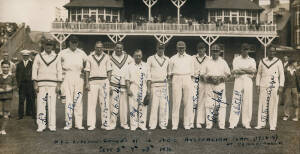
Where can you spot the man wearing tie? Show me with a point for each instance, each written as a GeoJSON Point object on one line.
{"type": "Point", "coordinates": [25, 85]}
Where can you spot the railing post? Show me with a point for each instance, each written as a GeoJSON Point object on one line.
{"type": "Point", "coordinates": [227, 27]}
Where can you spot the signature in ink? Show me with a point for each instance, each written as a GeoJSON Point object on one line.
{"type": "Point", "coordinates": [105, 110]}
{"type": "Point", "coordinates": [265, 115]}
{"type": "Point", "coordinates": [238, 99]}
{"type": "Point", "coordinates": [42, 116]}
{"type": "Point", "coordinates": [71, 108]}
{"type": "Point", "coordinates": [195, 98]}
{"type": "Point", "coordinates": [215, 111]}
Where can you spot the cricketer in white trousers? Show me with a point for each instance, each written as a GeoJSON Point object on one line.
{"type": "Point", "coordinates": [99, 91]}
{"type": "Point", "coordinates": [73, 89]}
{"type": "Point", "coordinates": [270, 76]}
{"type": "Point", "coordinates": [138, 75]}
{"type": "Point", "coordinates": [199, 98]}
{"type": "Point", "coordinates": [242, 101]}
{"type": "Point", "coordinates": [181, 68]}
{"type": "Point", "coordinates": [46, 72]}
{"type": "Point", "coordinates": [242, 92]}
{"type": "Point", "coordinates": [159, 99]}
{"type": "Point", "coordinates": [215, 94]}
{"type": "Point", "coordinates": [46, 107]}
{"type": "Point", "coordinates": [119, 104]}
{"type": "Point", "coordinates": [72, 64]}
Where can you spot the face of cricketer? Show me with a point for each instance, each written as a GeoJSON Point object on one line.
{"type": "Point", "coordinates": [5, 68]}
{"type": "Point", "coordinates": [48, 48]}
{"type": "Point", "coordinates": [285, 59]}
{"type": "Point", "coordinates": [181, 49]}
{"type": "Point", "coordinates": [295, 64]}
{"type": "Point", "coordinates": [271, 53]}
{"type": "Point", "coordinates": [201, 51]}
{"type": "Point", "coordinates": [244, 52]}
{"type": "Point", "coordinates": [138, 55]}
{"type": "Point", "coordinates": [160, 50]}
{"type": "Point", "coordinates": [98, 48]}
{"type": "Point", "coordinates": [215, 54]}
{"type": "Point", "coordinates": [73, 45]}
{"type": "Point", "coordinates": [119, 49]}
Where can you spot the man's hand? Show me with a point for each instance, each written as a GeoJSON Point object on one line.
{"type": "Point", "coordinates": [36, 88]}
{"type": "Point", "coordinates": [57, 89]}
{"type": "Point", "coordinates": [257, 90]}
{"type": "Point", "coordinates": [111, 92]}
{"type": "Point", "coordinates": [129, 93]}
{"type": "Point", "coordinates": [280, 90]}
{"type": "Point", "coordinates": [87, 87]}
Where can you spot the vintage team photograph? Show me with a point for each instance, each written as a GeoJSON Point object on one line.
{"type": "Point", "coordinates": [149, 76]}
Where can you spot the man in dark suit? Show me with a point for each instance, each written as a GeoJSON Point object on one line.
{"type": "Point", "coordinates": [25, 85]}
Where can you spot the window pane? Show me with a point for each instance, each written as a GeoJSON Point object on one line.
{"type": "Point", "coordinates": [108, 11]}
{"type": "Point", "coordinates": [108, 19]}
{"type": "Point", "coordinates": [86, 11]}
{"type": "Point", "coordinates": [226, 19]}
{"type": "Point", "coordinates": [241, 13]}
{"type": "Point", "coordinates": [226, 13]}
{"type": "Point", "coordinates": [73, 11]}
{"type": "Point", "coordinates": [73, 17]}
{"type": "Point", "coordinates": [212, 13]}
{"type": "Point", "coordinates": [248, 13]}
{"type": "Point", "coordinates": [78, 17]}
{"type": "Point", "coordinates": [241, 20]}
{"type": "Point", "coordinates": [115, 18]}
{"type": "Point", "coordinates": [79, 11]}
{"type": "Point", "coordinates": [219, 13]}
{"type": "Point", "coordinates": [101, 11]}
{"type": "Point", "coordinates": [212, 19]}
{"type": "Point", "coordinates": [115, 12]}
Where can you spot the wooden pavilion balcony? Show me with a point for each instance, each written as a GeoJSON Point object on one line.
{"type": "Point", "coordinates": [237, 30]}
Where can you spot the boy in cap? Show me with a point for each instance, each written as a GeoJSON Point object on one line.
{"type": "Point", "coordinates": [244, 68]}
{"type": "Point", "coordinates": [158, 65]}
{"type": "Point", "coordinates": [47, 78]}
{"type": "Point", "coordinates": [181, 72]}
{"type": "Point", "coordinates": [214, 72]}
{"type": "Point", "coordinates": [73, 61]}
{"type": "Point", "coordinates": [269, 84]}
{"type": "Point", "coordinates": [25, 85]}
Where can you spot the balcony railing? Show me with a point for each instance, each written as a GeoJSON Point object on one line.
{"type": "Point", "coordinates": [162, 28]}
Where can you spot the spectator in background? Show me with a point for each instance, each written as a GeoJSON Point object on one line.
{"type": "Point", "coordinates": [285, 62]}
{"type": "Point", "coordinates": [25, 85]}
{"type": "Point", "coordinates": [292, 82]}
{"type": "Point", "coordinates": [12, 66]}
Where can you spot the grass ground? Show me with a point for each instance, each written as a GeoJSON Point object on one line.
{"type": "Point", "coordinates": [22, 138]}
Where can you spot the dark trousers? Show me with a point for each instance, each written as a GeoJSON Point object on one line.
{"type": "Point", "coordinates": [26, 92]}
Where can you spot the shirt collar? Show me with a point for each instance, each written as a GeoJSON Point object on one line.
{"type": "Point", "coordinates": [163, 56]}
{"type": "Point", "coordinates": [97, 55]}
{"type": "Point", "coordinates": [183, 55]}
{"type": "Point", "coordinates": [115, 55]}
{"type": "Point", "coordinates": [51, 54]}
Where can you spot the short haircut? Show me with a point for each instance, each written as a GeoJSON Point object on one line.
{"type": "Point", "coordinates": [137, 51]}
{"type": "Point", "coordinates": [201, 45]}
{"type": "Point", "coordinates": [120, 43]}
{"type": "Point", "coordinates": [5, 62]}
{"type": "Point", "coordinates": [98, 42]}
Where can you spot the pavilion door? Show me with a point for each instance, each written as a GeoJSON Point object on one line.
{"type": "Point", "coordinates": [93, 15]}
{"type": "Point", "coordinates": [234, 17]}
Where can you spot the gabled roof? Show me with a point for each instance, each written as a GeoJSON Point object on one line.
{"type": "Point", "coordinates": [95, 3]}
{"type": "Point", "coordinates": [232, 4]}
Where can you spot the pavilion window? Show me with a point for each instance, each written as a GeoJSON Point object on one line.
{"type": "Point", "coordinates": [226, 16]}
{"type": "Point", "coordinates": [79, 14]}
{"type": "Point", "coordinates": [85, 14]}
{"type": "Point", "coordinates": [101, 15]}
{"type": "Point", "coordinates": [213, 16]}
{"type": "Point", "coordinates": [242, 16]}
{"type": "Point", "coordinates": [73, 15]}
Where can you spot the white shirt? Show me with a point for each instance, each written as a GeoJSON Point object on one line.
{"type": "Point", "coordinates": [119, 66]}
{"type": "Point", "coordinates": [217, 67]}
{"type": "Point", "coordinates": [158, 68]}
{"type": "Point", "coordinates": [244, 63]}
{"type": "Point", "coordinates": [199, 63]}
{"type": "Point", "coordinates": [270, 71]}
{"type": "Point", "coordinates": [72, 61]}
{"type": "Point", "coordinates": [46, 69]}
{"type": "Point", "coordinates": [181, 65]}
{"type": "Point", "coordinates": [138, 74]}
{"type": "Point", "coordinates": [25, 62]}
{"type": "Point", "coordinates": [98, 66]}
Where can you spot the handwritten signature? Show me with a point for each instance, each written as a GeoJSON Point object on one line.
{"type": "Point", "coordinates": [42, 116]}
{"type": "Point", "coordinates": [71, 108]}
{"type": "Point", "coordinates": [195, 98]}
{"type": "Point", "coordinates": [238, 99]}
{"type": "Point", "coordinates": [218, 101]}
{"type": "Point", "coordinates": [265, 115]}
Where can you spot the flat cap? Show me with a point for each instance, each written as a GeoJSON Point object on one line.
{"type": "Point", "coordinates": [73, 38]}
{"type": "Point", "coordinates": [25, 52]}
{"type": "Point", "coordinates": [180, 44]}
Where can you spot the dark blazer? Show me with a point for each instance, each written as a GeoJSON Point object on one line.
{"type": "Point", "coordinates": [23, 74]}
